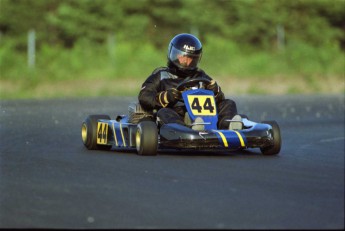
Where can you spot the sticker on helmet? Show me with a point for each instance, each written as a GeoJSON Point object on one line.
{"type": "Point", "coordinates": [189, 48]}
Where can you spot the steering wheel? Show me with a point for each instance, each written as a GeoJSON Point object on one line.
{"type": "Point", "coordinates": [191, 82]}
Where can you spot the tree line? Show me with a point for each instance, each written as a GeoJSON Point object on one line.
{"type": "Point", "coordinates": [253, 24]}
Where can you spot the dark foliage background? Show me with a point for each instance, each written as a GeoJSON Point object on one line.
{"type": "Point", "coordinates": [124, 39]}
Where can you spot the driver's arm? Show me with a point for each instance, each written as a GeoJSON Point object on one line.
{"type": "Point", "coordinates": [213, 86]}
{"type": "Point", "coordinates": [218, 93]}
{"type": "Point", "coordinates": [148, 92]}
{"type": "Point", "coordinates": [152, 97]}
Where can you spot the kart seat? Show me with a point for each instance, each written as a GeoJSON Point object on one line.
{"type": "Point", "coordinates": [136, 113]}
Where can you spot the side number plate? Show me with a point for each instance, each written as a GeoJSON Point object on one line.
{"type": "Point", "coordinates": [102, 133]}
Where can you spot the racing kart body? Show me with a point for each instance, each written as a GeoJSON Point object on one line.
{"type": "Point", "coordinates": [142, 131]}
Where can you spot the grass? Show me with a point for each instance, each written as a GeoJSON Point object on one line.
{"type": "Point", "coordinates": [87, 70]}
{"type": "Point", "coordinates": [130, 87]}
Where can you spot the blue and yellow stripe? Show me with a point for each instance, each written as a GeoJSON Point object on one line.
{"type": "Point", "coordinates": [118, 135]}
{"type": "Point", "coordinates": [231, 139]}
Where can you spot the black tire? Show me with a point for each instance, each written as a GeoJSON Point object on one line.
{"type": "Point", "coordinates": [89, 132]}
{"type": "Point", "coordinates": [277, 141]}
{"type": "Point", "coordinates": [146, 138]}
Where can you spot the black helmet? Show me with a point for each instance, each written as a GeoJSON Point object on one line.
{"type": "Point", "coordinates": [184, 52]}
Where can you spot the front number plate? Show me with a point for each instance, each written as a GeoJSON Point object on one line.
{"type": "Point", "coordinates": [202, 105]}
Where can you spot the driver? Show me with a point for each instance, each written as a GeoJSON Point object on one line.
{"type": "Point", "coordinates": [159, 91]}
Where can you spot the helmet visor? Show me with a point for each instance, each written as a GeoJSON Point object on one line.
{"type": "Point", "coordinates": [183, 59]}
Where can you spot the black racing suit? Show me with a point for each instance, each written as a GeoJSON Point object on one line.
{"type": "Point", "coordinates": [165, 78]}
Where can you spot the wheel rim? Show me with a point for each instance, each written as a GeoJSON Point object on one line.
{"type": "Point", "coordinates": [138, 140]}
{"type": "Point", "coordinates": [84, 133]}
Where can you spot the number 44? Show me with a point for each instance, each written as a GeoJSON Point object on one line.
{"type": "Point", "coordinates": [206, 106]}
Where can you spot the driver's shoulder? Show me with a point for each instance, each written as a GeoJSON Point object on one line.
{"type": "Point", "coordinates": [159, 69]}
{"type": "Point", "coordinates": [163, 73]}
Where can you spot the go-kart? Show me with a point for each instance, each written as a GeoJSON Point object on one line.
{"type": "Point", "coordinates": [142, 131]}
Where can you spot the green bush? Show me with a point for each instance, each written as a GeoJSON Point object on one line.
{"type": "Point", "coordinates": [220, 58]}
{"type": "Point", "coordinates": [125, 61]}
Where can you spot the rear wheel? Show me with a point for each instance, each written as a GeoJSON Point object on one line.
{"type": "Point", "coordinates": [89, 132]}
{"type": "Point", "coordinates": [146, 138]}
{"type": "Point", "coordinates": [277, 142]}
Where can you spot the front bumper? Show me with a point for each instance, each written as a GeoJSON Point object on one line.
{"type": "Point", "coordinates": [178, 136]}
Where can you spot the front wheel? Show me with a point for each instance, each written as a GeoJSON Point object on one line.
{"type": "Point", "coordinates": [89, 132]}
{"type": "Point", "coordinates": [146, 138]}
{"type": "Point", "coordinates": [277, 142]}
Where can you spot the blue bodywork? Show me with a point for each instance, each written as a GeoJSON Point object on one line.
{"type": "Point", "coordinates": [199, 103]}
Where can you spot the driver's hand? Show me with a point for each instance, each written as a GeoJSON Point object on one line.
{"type": "Point", "coordinates": [213, 86]}
{"type": "Point", "coordinates": [171, 95]}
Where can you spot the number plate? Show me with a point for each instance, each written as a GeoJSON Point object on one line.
{"type": "Point", "coordinates": [102, 133]}
{"type": "Point", "coordinates": [202, 105]}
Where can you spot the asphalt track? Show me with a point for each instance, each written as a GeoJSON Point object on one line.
{"type": "Point", "coordinates": [49, 180]}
